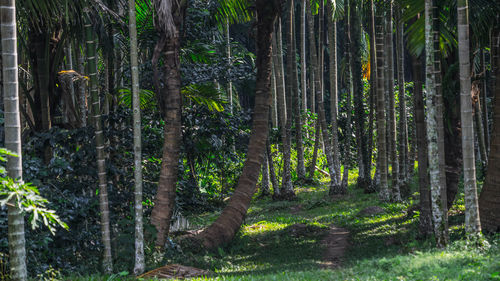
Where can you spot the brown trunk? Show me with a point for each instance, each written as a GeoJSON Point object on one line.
{"type": "Point", "coordinates": [425, 223]}
{"type": "Point", "coordinates": [489, 201]}
{"type": "Point", "coordinates": [172, 106]}
{"type": "Point", "coordinates": [228, 223]}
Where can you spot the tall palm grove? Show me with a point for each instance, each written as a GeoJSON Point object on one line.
{"type": "Point", "coordinates": [123, 123]}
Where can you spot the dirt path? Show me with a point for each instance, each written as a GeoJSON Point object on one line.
{"type": "Point", "coordinates": [336, 243]}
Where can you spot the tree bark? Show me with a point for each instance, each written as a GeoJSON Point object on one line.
{"type": "Point", "coordinates": [381, 118]}
{"type": "Point", "coordinates": [355, 57]}
{"type": "Point", "coordinates": [172, 107]}
{"type": "Point", "coordinates": [393, 155]}
{"type": "Point", "coordinates": [332, 31]}
{"type": "Point", "coordinates": [435, 133]}
{"type": "Point", "coordinates": [107, 262]}
{"type": "Point", "coordinates": [12, 124]}
{"type": "Point", "coordinates": [228, 223]}
{"type": "Point", "coordinates": [425, 220]}
{"type": "Point", "coordinates": [403, 123]}
{"type": "Point", "coordinates": [489, 206]}
{"type": "Point", "coordinates": [139, 265]}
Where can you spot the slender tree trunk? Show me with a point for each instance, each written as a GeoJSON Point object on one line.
{"type": "Point", "coordinates": [484, 109]}
{"type": "Point", "coordinates": [286, 190]}
{"type": "Point", "coordinates": [82, 93]}
{"type": "Point", "coordinates": [332, 31]}
{"type": "Point", "coordinates": [107, 262]}
{"type": "Point", "coordinates": [229, 82]}
{"type": "Point", "coordinates": [488, 201]}
{"type": "Point", "coordinates": [172, 109]}
{"type": "Point", "coordinates": [472, 223]}
{"type": "Point", "coordinates": [355, 58]}
{"type": "Point", "coordinates": [381, 119]}
{"type": "Point", "coordinates": [475, 93]}
{"type": "Point", "coordinates": [228, 223]}
{"type": "Point", "coordinates": [403, 123]}
{"type": "Point", "coordinates": [301, 169]}
{"type": "Point", "coordinates": [435, 134]}
{"type": "Point", "coordinates": [287, 185]}
{"type": "Point", "coordinates": [139, 229]}
{"type": "Point", "coordinates": [274, 102]}
{"type": "Point", "coordinates": [272, 172]}
{"type": "Point", "coordinates": [12, 124]}
{"type": "Point", "coordinates": [393, 155]}
{"type": "Point", "coordinates": [349, 87]}
{"type": "Point", "coordinates": [425, 220]}
{"type": "Point", "coordinates": [303, 71]}
{"type": "Point", "coordinates": [373, 93]}
{"type": "Point", "coordinates": [264, 188]}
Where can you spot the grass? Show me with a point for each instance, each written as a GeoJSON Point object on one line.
{"type": "Point", "coordinates": [382, 247]}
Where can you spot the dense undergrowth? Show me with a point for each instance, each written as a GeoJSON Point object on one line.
{"type": "Point", "coordinates": [382, 247]}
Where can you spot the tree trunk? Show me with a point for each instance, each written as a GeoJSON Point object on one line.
{"type": "Point", "coordinates": [472, 224]}
{"type": "Point", "coordinates": [359, 107]}
{"type": "Point", "coordinates": [264, 187]}
{"type": "Point", "coordinates": [172, 107]}
{"type": "Point", "coordinates": [286, 190]}
{"type": "Point", "coordinates": [12, 124]}
{"type": "Point", "coordinates": [489, 206]}
{"type": "Point", "coordinates": [403, 125]}
{"type": "Point", "coordinates": [435, 134]}
{"type": "Point", "coordinates": [373, 86]}
{"type": "Point", "coordinates": [332, 31]}
{"type": "Point", "coordinates": [393, 155]}
{"type": "Point", "coordinates": [107, 261]}
{"type": "Point", "coordinates": [139, 265]}
{"type": "Point", "coordinates": [272, 172]}
{"type": "Point", "coordinates": [229, 82]}
{"type": "Point", "coordinates": [82, 93]}
{"type": "Point", "coordinates": [303, 71]}
{"type": "Point", "coordinates": [228, 223]}
{"type": "Point", "coordinates": [475, 93]}
{"type": "Point", "coordinates": [425, 220]}
{"type": "Point", "coordinates": [301, 169]}
{"type": "Point", "coordinates": [381, 118]}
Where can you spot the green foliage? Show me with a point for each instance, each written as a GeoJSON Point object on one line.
{"type": "Point", "coordinates": [26, 198]}
{"type": "Point", "coordinates": [147, 98]}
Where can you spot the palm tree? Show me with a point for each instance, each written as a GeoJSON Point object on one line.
{"type": "Point", "coordinates": [134, 66]}
{"type": "Point", "coordinates": [403, 125]}
{"type": "Point", "coordinates": [381, 119]}
{"type": "Point", "coordinates": [99, 142]}
{"type": "Point", "coordinates": [435, 132]}
{"type": "Point", "coordinates": [332, 32]}
{"type": "Point", "coordinates": [12, 123]}
{"type": "Point", "coordinates": [363, 156]}
{"type": "Point", "coordinates": [472, 223]}
{"type": "Point", "coordinates": [301, 169]}
{"type": "Point", "coordinates": [228, 223]}
{"type": "Point", "coordinates": [169, 22]}
{"type": "Point", "coordinates": [425, 220]}
{"type": "Point", "coordinates": [488, 202]}
{"type": "Point", "coordinates": [303, 71]}
{"type": "Point", "coordinates": [393, 155]}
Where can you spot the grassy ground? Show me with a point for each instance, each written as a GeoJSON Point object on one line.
{"type": "Point", "coordinates": [382, 247]}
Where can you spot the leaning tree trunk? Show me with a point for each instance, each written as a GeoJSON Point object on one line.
{"type": "Point", "coordinates": [171, 107]}
{"type": "Point", "coordinates": [12, 124]}
{"type": "Point", "coordinates": [332, 31]}
{"type": "Point", "coordinates": [435, 132]}
{"type": "Point", "coordinates": [139, 265]}
{"type": "Point", "coordinates": [381, 119]}
{"type": "Point", "coordinates": [228, 223]}
{"type": "Point", "coordinates": [393, 155]}
{"type": "Point", "coordinates": [359, 107]}
{"type": "Point", "coordinates": [489, 206]}
{"type": "Point", "coordinates": [425, 220]}
{"type": "Point", "coordinates": [107, 261]}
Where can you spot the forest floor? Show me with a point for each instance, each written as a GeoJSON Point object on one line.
{"type": "Point", "coordinates": [319, 238]}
